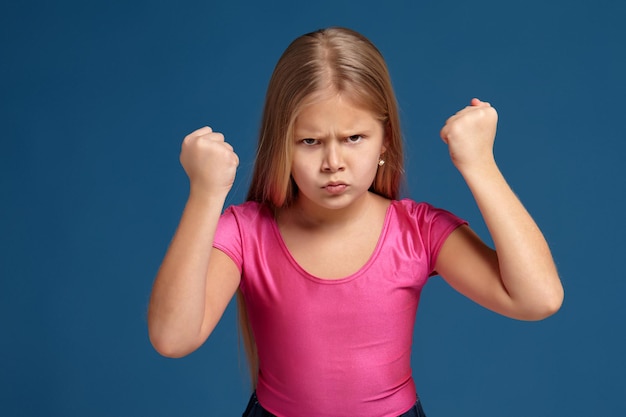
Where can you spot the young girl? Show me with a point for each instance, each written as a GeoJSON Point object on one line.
{"type": "Point", "coordinates": [327, 262]}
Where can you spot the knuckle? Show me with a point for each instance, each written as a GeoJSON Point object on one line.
{"type": "Point", "coordinates": [187, 142]}
{"type": "Point", "coordinates": [217, 136]}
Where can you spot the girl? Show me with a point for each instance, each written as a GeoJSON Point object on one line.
{"type": "Point", "coordinates": [328, 264]}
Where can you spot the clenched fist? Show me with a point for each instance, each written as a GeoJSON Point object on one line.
{"type": "Point", "coordinates": [209, 161]}
{"type": "Point", "coordinates": [470, 135]}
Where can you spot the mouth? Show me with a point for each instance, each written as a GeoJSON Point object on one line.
{"type": "Point", "coordinates": [335, 187]}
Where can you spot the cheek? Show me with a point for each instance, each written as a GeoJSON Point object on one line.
{"type": "Point", "coordinates": [299, 169]}
{"type": "Point", "coordinates": [372, 159]}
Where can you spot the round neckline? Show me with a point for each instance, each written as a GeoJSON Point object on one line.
{"type": "Point", "coordinates": [333, 281]}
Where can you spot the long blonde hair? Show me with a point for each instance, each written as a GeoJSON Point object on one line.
{"type": "Point", "coordinates": [336, 58]}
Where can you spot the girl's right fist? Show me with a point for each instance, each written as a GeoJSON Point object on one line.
{"type": "Point", "coordinates": [210, 162]}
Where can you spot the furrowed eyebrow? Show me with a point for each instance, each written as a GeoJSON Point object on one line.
{"type": "Point", "coordinates": [312, 134]}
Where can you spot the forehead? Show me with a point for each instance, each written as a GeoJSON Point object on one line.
{"type": "Point", "coordinates": [337, 111]}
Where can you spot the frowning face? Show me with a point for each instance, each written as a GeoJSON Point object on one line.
{"type": "Point", "coordinates": [336, 152]}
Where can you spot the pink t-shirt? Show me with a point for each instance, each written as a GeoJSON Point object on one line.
{"type": "Point", "coordinates": [335, 347]}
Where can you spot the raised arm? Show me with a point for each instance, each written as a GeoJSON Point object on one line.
{"type": "Point", "coordinates": [518, 279]}
{"type": "Point", "coordinates": [195, 282]}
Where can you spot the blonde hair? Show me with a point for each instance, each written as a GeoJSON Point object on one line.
{"type": "Point", "coordinates": [334, 58]}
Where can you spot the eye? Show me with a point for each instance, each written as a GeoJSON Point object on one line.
{"type": "Point", "coordinates": [354, 138]}
{"type": "Point", "coordinates": [308, 141]}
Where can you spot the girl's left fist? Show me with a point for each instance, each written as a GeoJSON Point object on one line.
{"type": "Point", "coordinates": [470, 134]}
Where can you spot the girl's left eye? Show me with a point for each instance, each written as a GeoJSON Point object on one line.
{"type": "Point", "coordinates": [354, 138]}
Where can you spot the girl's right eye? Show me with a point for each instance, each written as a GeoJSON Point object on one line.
{"type": "Point", "coordinates": [309, 141]}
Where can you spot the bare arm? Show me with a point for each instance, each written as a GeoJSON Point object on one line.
{"type": "Point", "coordinates": [518, 279]}
{"type": "Point", "coordinates": [195, 282]}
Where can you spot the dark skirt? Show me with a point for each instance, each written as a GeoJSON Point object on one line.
{"type": "Point", "coordinates": [254, 409]}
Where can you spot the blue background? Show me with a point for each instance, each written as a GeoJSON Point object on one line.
{"type": "Point", "coordinates": [96, 97]}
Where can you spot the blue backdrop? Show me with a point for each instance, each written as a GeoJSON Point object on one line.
{"type": "Point", "coordinates": [96, 97]}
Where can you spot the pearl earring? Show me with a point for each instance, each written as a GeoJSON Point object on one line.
{"type": "Point", "coordinates": [381, 162]}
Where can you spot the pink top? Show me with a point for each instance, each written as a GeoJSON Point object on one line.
{"type": "Point", "coordinates": [335, 347]}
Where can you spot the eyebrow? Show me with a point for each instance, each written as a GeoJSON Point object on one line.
{"type": "Point", "coordinates": [314, 133]}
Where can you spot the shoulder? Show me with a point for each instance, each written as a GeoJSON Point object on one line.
{"type": "Point", "coordinates": [423, 216]}
{"type": "Point", "coordinates": [248, 211]}
{"type": "Point", "coordinates": [417, 210]}
{"type": "Point", "coordinates": [409, 206]}
{"type": "Point", "coordinates": [426, 224]}
{"type": "Point", "coordinates": [242, 228]}
{"type": "Point", "coordinates": [243, 219]}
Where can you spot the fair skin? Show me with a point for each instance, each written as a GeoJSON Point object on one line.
{"type": "Point", "coordinates": [518, 279]}
{"type": "Point", "coordinates": [335, 159]}
{"type": "Point", "coordinates": [336, 219]}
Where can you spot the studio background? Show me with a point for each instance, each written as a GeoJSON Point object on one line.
{"type": "Point", "coordinates": [96, 97]}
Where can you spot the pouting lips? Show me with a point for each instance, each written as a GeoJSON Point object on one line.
{"type": "Point", "coordinates": [335, 188]}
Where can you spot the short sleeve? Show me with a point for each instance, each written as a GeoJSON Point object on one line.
{"type": "Point", "coordinates": [435, 225]}
{"type": "Point", "coordinates": [442, 223]}
{"type": "Point", "coordinates": [228, 237]}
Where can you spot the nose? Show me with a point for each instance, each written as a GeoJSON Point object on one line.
{"type": "Point", "coordinates": [333, 158]}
